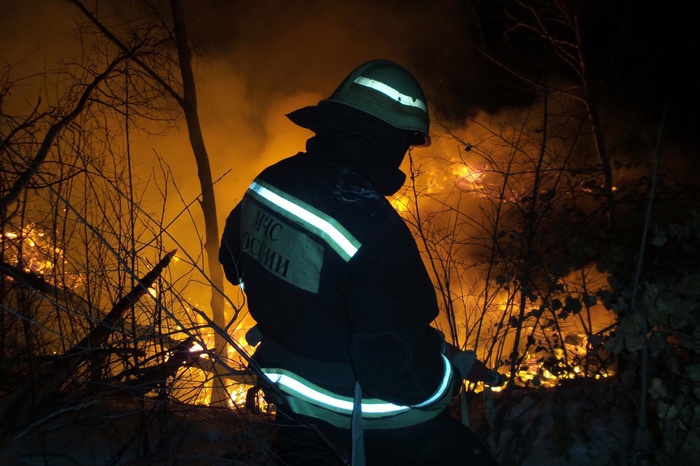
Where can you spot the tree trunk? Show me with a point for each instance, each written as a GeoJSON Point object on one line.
{"type": "Point", "coordinates": [208, 200]}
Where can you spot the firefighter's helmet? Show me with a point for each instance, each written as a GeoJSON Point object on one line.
{"type": "Point", "coordinates": [379, 100]}
{"type": "Point", "coordinates": [389, 92]}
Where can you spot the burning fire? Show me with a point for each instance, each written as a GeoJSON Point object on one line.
{"type": "Point", "coordinates": [197, 348]}
{"type": "Point", "coordinates": [33, 252]}
{"type": "Point", "coordinates": [237, 386]}
{"type": "Point", "coordinates": [400, 203]}
{"type": "Point", "coordinates": [466, 177]}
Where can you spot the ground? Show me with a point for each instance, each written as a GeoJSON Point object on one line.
{"type": "Point", "coordinates": [581, 423]}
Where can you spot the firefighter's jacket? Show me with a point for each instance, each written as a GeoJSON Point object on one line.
{"type": "Point", "coordinates": [336, 284]}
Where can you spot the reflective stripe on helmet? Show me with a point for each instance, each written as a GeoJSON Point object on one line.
{"type": "Point", "coordinates": [390, 92]}
{"type": "Point", "coordinates": [297, 386]}
{"type": "Point", "coordinates": [332, 232]}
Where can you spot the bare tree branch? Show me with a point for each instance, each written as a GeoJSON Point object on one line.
{"type": "Point", "coordinates": [51, 135]}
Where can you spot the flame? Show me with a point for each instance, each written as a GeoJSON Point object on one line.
{"type": "Point", "coordinates": [33, 251]}
{"type": "Point", "coordinates": [239, 391]}
{"type": "Point", "coordinates": [467, 176]}
{"type": "Point", "coordinates": [38, 255]}
{"type": "Point", "coordinates": [400, 202]}
{"type": "Point", "coordinates": [197, 348]}
{"type": "Point", "coordinates": [236, 388]}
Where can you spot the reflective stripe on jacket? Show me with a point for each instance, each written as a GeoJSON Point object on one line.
{"type": "Point", "coordinates": [306, 398]}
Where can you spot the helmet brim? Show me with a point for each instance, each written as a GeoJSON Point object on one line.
{"type": "Point", "coordinates": [334, 115]}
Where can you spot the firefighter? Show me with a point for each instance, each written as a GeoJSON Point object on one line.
{"type": "Point", "coordinates": [341, 297]}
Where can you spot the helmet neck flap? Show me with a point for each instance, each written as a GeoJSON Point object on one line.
{"type": "Point", "coordinates": [378, 165]}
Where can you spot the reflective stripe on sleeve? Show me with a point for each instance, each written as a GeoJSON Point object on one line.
{"type": "Point", "coordinates": [332, 232]}
{"type": "Point", "coordinates": [444, 385]}
{"type": "Point", "coordinates": [297, 386]}
{"type": "Point", "coordinates": [390, 92]}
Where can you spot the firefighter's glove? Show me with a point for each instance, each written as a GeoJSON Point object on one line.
{"type": "Point", "coordinates": [464, 362]}
{"type": "Point", "coordinates": [494, 379]}
{"type": "Point", "coordinates": [473, 370]}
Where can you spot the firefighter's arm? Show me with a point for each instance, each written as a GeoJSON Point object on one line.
{"type": "Point", "coordinates": [229, 251]}
{"type": "Point", "coordinates": [395, 353]}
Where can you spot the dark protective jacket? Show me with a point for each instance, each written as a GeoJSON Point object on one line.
{"type": "Point", "coordinates": [335, 281]}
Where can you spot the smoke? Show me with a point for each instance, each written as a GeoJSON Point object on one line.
{"type": "Point", "coordinates": [264, 59]}
{"type": "Point", "coordinates": [309, 45]}
{"type": "Point", "coordinates": [34, 32]}
{"type": "Point", "coordinates": [258, 60]}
